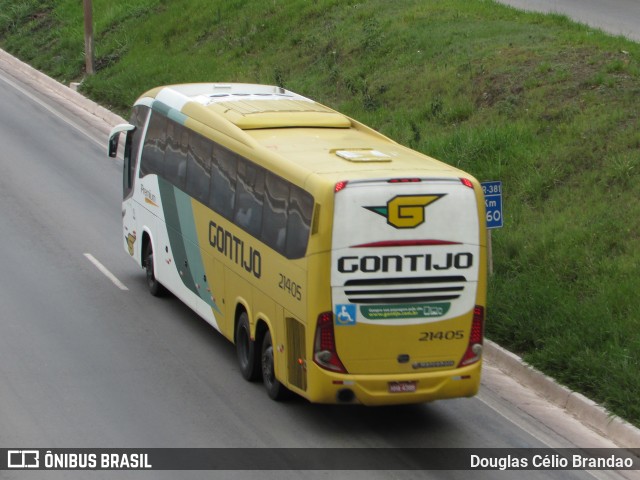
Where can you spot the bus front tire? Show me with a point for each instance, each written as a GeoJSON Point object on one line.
{"type": "Point", "coordinates": [248, 361]}
{"type": "Point", "coordinates": [155, 287]}
{"type": "Point", "coordinates": [275, 389]}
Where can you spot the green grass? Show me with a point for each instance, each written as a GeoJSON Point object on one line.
{"type": "Point", "coordinates": [547, 106]}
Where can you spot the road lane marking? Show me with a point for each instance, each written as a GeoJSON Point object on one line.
{"type": "Point", "coordinates": [106, 272]}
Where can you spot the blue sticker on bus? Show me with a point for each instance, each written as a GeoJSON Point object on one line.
{"type": "Point", "coordinates": [345, 314]}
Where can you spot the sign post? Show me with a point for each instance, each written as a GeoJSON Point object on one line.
{"type": "Point", "coordinates": [493, 206]}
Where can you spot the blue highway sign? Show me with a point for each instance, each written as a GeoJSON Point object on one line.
{"type": "Point", "coordinates": [493, 203]}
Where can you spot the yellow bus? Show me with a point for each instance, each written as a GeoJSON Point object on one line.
{"type": "Point", "coordinates": [344, 267]}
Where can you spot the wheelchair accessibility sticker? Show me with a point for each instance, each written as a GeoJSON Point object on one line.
{"type": "Point", "coordinates": [345, 314]}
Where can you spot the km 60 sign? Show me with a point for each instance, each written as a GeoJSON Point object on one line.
{"type": "Point", "coordinates": [493, 203]}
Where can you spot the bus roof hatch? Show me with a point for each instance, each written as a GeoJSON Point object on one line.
{"type": "Point", "coordinates": [250, 113]}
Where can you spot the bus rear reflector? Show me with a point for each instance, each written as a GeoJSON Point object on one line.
{"type": "Point", "coordinates": [474, 348]}
{"type": "Point", "coordinates": [324, 346]}
{"type": "Point", "coordinates": [466, 182]}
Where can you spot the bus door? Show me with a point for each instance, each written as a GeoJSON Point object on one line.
{"type": "Point", "coordinates": [128, 175]}
{"type": "Point", "coordinates": [134, 133]}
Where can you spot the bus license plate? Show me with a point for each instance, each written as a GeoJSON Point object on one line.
{"type": "Point", "coordinates": [402, 387]}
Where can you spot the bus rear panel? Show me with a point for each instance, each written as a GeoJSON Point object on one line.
{"type": "Point", "coordinates": [406, 260]}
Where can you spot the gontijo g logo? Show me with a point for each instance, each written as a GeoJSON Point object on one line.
{"type": "Point", "coordinates": [406, 211]}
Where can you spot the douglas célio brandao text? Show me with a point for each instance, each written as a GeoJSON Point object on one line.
{"type": "Point", "coordinates": [551, 462]}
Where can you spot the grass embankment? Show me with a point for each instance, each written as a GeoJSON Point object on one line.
{"type": "Point", "coordinates": [546, 106]}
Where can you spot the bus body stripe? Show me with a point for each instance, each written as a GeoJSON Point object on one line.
{"type": "Point", "coordinates": [178, 212]}
{"type": "Point", "coordinates": [172, 219]}
{"type": "Point", "coordinates": [170, 112]}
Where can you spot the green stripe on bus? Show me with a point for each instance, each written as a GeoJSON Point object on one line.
{"type": "Point", "coordinates": [184, 207]}
{"type": "Point", "coordinates": [167, 111]}
{"type": "Point", "coordinates": [178, 214]}
{"type": "Point", "coordinates": [176, 240]}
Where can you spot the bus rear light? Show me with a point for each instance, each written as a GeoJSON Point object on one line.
{"type": "Point", "coordinates": [474, 348]}
{"type": "Point", "coordinates": [325, 354]}
{"type": "Point", "coordinates": [339, 186]}
{"type": "Point", "coordinates": [467, 183]}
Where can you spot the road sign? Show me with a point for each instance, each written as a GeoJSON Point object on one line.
{"type": "Point", "coordinates": [493, 203]}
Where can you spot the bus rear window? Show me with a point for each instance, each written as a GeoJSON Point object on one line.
{"type": "Point", "coordinates": [298, 222]}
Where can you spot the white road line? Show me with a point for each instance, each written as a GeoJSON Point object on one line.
{"type": "Point", "coordinates": [106, 272]}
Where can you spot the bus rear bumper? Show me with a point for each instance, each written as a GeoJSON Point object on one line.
{"type": "Point", "coordinates": [394, 389]}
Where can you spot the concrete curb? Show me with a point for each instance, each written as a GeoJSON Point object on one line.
{"type": "Point", "coordinates": [586, 411]}
{"type": "Point", "coordinates": [49, 86]}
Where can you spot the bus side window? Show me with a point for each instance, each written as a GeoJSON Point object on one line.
{"type": "Point", "coordinates": [274, 219]}
{"type": "Point", "coordinates": [198, 167]}
{"type": "Point", "coordinates": [249, 197]}
{"type": "Point", "coordinates": [223, 181]}
{"type": "Point", "coordinates": [175, 157]}
{"type": "Point", "coordinates": [298, 223]}
{"type": "Point", "coordinates": [154, 146]}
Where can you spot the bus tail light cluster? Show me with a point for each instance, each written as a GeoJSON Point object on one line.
{"type": "Point", "coordinates": [339, 186]}
{"type": "Point", "coordinates": [324, 346]}
{"type": "Point", "coordinates": [474, 349]}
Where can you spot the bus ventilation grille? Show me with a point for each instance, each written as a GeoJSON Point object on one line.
{"type": "Point", "coordinates": [405, 290]}
{"type": "Point", "coordinates": [297, 360]}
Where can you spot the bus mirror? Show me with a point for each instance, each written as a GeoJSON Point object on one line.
{"type": "Point", "coordinates": [113, 145]}
{"type": "Point", "coordinates": [115, 135]}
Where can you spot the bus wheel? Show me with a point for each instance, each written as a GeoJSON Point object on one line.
{"type": "Point", "coordinates": [275, 389]}
{"type": "Point", "coordinates": [245, 350]}
{"type": "Point", "coordinates": [155, 287]}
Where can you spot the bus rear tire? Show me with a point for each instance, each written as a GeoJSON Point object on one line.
{"type": "Point", "coordinates": [248, 361]}
{"type": "Point", "coordinates": [155, 287]}
{"type": "Point", "coordinates": [276, 390]}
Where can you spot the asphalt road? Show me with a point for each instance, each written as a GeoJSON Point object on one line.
{"type": "Point", "coordinates": [618, 17]}
{"type": "Point", "coordinates": [85, 362]}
